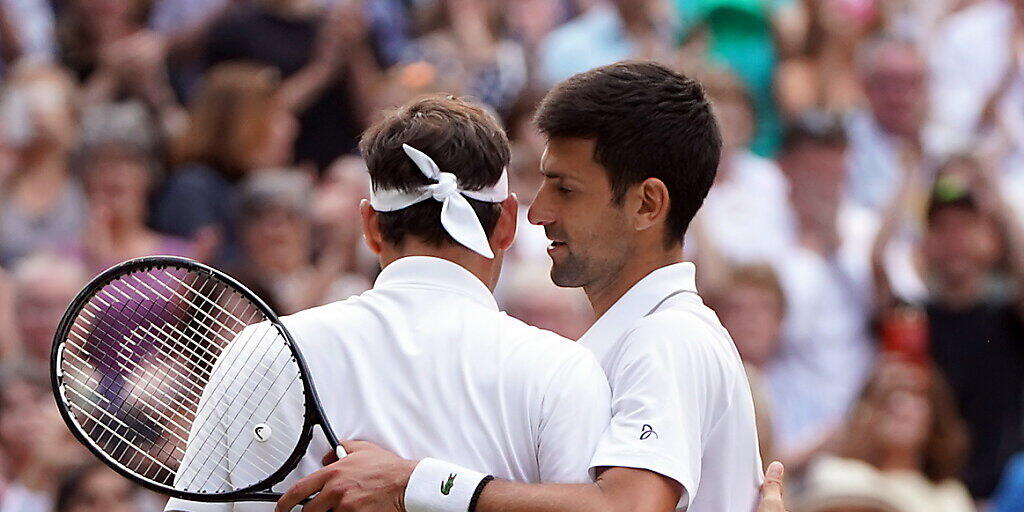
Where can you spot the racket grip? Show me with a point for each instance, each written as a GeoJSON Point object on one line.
{"type": "Point", "coordinates": [340, 452]}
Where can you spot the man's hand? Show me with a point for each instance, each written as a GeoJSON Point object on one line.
{"type": "Point", "coordinates": [772, 490]}
{"type": "Point", "coordinates": [368, 479]}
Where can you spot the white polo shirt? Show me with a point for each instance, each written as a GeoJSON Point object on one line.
{"type": "Point", "coordinates": [425, 364]}
{"type": "Point", "coordinates": [681, 404]}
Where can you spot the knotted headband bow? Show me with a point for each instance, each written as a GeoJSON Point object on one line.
{"type": "Point", "coordinates": [457, 215]}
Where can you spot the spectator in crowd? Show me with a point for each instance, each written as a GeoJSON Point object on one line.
{"type": "Point", "coordinates": [108, 47]}
{"type": "Point", "coordinates": [119, 179]}
{"type": "Point", "coordinates": [751, 306]}
{"type": "Point", "coordinates": [1009, 495]}
{"type": "Point", "coordinates": [10, 340]}
{"type": "Point", "coordinates": [329, 69]}
{"type": "Point", "coordinates": [826, 350]}
{"type": "Point", "coordinates": [27, 31]}
{"type": "Point", "coordinates": [821, 39]}
{"type": "Point", "coordinates": [37, 446]}
{"type": "Point", "coordinates": [975, 325]}
{"type": "Point", "coordinates": [885, 138]}
{"type": "Point", "coordinates": [530, 22]}
{"type": "Point", "coordinates": [905, 445]}
{"type": "Point", "coordinates": [276, 234]}
{"type": "Point", "coordinates": [95, 488]}
{"type": "Point", "coordinates": [43, 284]}
{"type": "Point", "coordinates": [740, 35]}
{"type": "Point", "coordinates": [41, 202]}
{"type": "Point", "coordinates": [606, 32]}
{"type": "Point", "coordinates": [341, 251]}
{"type": "Point", "coordinates": [986, 38]}
{"type": "Point", "coordinates": [744, 218]}
{"type": "Point", "coordinates": [526, 292]}
{"type": "Point", "coordinates": [469, 40]}
{"type": "Point", "coordinates": [94, 35]}
{"type": "Point", "coordinates": [237, 124]}
{"type": "Point", "coordinates": [10, 40]}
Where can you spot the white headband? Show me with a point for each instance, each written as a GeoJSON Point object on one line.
{"type": "Point", "coordinates": [457, 216]}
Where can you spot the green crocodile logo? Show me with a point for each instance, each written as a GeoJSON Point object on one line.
{"type": "Point", "coordinates": [446, 487]}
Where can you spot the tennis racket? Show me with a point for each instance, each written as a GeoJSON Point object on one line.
{"type": "Point", "coordinates": [181, 379]}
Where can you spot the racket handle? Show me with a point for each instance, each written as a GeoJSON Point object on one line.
{"type": "Point", "coordinates": [340, 452]}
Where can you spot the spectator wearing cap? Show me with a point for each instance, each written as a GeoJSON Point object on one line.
{"type": "Point", "coordinates": [740, 35]}
{"type": "Point", "coordinates": [975, 323]}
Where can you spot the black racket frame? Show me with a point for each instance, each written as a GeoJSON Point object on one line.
{"type": "Point", "coordinates": [313, 414]}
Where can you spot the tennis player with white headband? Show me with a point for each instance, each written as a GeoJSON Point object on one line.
{"type": "Point", "coordinates": [457, 216]}
{"type": "Point", "coordinates": [424, 363]}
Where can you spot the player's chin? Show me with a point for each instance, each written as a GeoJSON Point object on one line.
{"type": "Point", "coordinates": [565, 272]}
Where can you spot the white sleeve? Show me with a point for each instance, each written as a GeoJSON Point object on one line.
{"type": "Point", "coordinates": [659, 407]}
{"type": "Point", "coordinates": [176, 505]}
{"type": "Point", "coordinates": [576, 410]}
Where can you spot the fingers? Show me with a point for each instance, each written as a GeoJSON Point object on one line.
{"type": "Point", "coordinates": [772, 489]}
{"type": "Point", "coordinates": [329, 458]}
{"type": "Point", "coordinates": [322, 502]}
{"type": "Point", "coordinates": [303, 489]}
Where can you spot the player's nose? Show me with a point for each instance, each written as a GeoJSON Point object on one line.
{"type": "Point", "coordinates": [540, 213]}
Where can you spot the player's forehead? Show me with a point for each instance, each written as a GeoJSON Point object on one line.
{"type": "Point", "coordinates": [569, 158]}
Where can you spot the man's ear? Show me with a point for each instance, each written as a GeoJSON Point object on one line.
{"type": "Point", "coordinates": [505, 229]}
{"type": "Point", "coordinates": [371, 226]}
{"type": "Point", "coordinates": [652, 204]}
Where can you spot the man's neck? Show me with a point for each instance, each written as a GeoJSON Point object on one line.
{"type": "Point", "coordinates": [486, 270]}
{"type": "Point", "coordinates": [604, 295]}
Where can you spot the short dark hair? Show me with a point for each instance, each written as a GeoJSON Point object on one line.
{"type": "Point", "coordinates": [817, 127]}
{"type": "Point", "coordinates": [460, 137]}
{"type": "Point", "coordinates": [647, 121]}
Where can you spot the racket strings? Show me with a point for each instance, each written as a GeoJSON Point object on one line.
{"type": "Point", "coordinates": [203, 448]}
{"type": "Point", "coordinates": [122, 292]}
{"type": "Point", "coordinates": [153, 369]}
{"type": "Point", "coordinates": [102, 328]}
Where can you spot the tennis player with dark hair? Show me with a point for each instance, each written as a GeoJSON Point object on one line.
{"type": "Point", "coordinates": [424, 363]}
{"type": "Point", "coordinates": [632, 151]}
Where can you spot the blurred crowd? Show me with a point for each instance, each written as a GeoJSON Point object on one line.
{"type": "Point", "coordinates": [863, 241]}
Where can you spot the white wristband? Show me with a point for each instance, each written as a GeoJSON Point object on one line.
{"type": "Point", "coordinates": [439, 486]}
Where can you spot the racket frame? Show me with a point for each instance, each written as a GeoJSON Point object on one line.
{"type": "Point", "coordinates": [312, 416]}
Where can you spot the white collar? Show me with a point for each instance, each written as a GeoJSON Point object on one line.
{"type": "Point", "coordinates": [435, 273]}
{"type": "Point", "coordinates": [641, 300]}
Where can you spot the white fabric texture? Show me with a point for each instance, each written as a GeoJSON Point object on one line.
{"type": "Point", "coordinates": [681, 403]}
{"type": "Point", "coordinates": [457, 215]}
{"type": "Point", "coordinates": [439, 486]}
{"type": "Point", "coordinates": [425, 365]}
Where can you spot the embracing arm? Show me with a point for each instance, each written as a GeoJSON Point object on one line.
{"type": "Point", "coordinates": [616, 490]}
